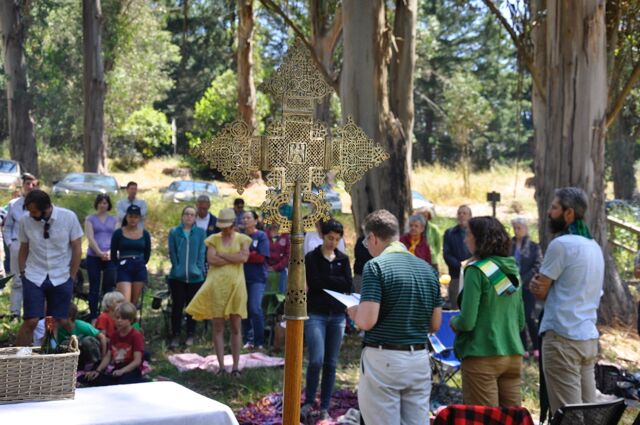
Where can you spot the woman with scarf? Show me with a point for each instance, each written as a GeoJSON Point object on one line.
{"type": "Point", "coordinates": [415, 240]}
{"type": "Point", "coordinates": [491, 318]}
{"type": "Point", "coordinates": [528, 255]}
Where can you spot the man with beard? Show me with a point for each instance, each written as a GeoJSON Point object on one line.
{"type": "Point", "coordinates": [570, 281]}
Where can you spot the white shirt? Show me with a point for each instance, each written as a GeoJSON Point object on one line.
{"type": "Point", "coordinates": [50, 256]}
{"type": "Point", "coordinates": [203, 223]}
{"type": "Point", "coordinates": [313, 240]}
{"type": "Point", "coordinates": [123, 204]}
{"type": "Point", "coordinates": [576, 264]}
{"type": "Point", "coordinates": [12, 223]}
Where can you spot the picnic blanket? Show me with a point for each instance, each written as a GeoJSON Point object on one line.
{"type": "Point", "coordinates": [191, 361]}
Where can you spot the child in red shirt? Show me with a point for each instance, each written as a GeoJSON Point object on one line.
{"type": "Point", "coordinates": [125, 354]}
{"type": "Point", "coordinates": [105, 322]}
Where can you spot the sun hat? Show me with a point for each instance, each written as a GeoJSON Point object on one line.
{"type": "Point", "coordinates": [226, 218]}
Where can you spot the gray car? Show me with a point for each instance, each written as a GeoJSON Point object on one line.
{"type": "Point", "coordinates": [189, 190]}
{"type": "Point", "coordinates": [86, 183]}
{"type": "Point", "coordinates": [10, 172]}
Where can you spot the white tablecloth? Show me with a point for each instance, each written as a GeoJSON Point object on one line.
{"type": "Point", "coordinates": [153, 403]}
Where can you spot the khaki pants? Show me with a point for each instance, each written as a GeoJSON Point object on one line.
{"type": "Point", "coordinates": [492, 381]}
{"type": "Point", "coordinates": [394, 387]}
{"type": "Point", "coordinates": [569, 370]}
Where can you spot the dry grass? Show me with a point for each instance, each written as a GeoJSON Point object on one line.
{"type": "Point", "coordinates": [150, 176]}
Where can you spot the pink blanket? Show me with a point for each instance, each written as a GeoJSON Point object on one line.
{"type": "Point", "coordinates": [191, 361]}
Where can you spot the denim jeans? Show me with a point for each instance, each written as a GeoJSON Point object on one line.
{"type": "Point", "coordinates": [102, 275]}
{"type": "Point", "coordinates": [323, 337]}
{"type": "Point", "coordinates": [282, 281]}
{"type": "Point", "coordinates": [255, 322]}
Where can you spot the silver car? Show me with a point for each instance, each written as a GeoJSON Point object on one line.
{"type": "Point", "coordinates": [189, 190]}
{"type": "Point", "coordinates": [86, 183]}
{"type": "Point", "coordinates": [10, 172]}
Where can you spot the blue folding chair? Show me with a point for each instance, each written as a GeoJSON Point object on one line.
{"type": "Point", "coordinates": [444, 362]}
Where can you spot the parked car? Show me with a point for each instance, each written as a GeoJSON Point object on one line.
{"type": "Point", "coordinates": [418, 201]}
{"type": "Point", "coordinates": [189, 190]}
{"type": "Point", "coordinates": [86, 183]}
{"type": "Point", "coordinates": [10, 172]}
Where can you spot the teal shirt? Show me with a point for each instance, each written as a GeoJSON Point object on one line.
{"type": "Point", "coordinates": [82, 329]}
{"type": "Point", "coordinates": [407, 290]}
{"type": "Point", "coordinates": [122, 246]}
{"type": "Point", "coordinates": [488, 324]}
{"type": "Point", "coordinates": [187, 252]}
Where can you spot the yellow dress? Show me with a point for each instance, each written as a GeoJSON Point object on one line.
{"type": "Point", "coordinates": [224, 292]}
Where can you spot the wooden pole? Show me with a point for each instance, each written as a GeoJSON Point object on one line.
{"type": "Point", "coordinates": [295, 313]}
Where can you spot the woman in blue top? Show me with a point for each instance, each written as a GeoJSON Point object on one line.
{"type": "Point", "coordinates": [131, 250]}
{"type": "Point", "coordinates": [99, 229]}
{"type": "Point", "coordinates": [187, 252]}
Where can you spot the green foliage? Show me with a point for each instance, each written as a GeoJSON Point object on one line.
{"type": "Point", "coordinates": [624, 259]}
{"type": "Point", "coordinates": [148, 130]}
{"type": "Point", "coordinates": [218, 106]}
{"type": "Point", "coordinates": [56, 162]}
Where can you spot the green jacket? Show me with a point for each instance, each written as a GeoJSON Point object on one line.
{"type": "Point", "coordinates": [489, 324]}
{"type": "Point", "coordinates": [434, 239]}
{"type": "Point", "coordinates": [187, 254]}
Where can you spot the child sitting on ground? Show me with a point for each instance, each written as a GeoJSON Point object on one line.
{"type": "Point", "coordinates": [125, 353]}
{"type": "Point", "coordinates": [104, 322]}
{"type": "Point", "coordinates": [79, 328]}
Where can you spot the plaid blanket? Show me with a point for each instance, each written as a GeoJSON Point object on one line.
{"type": "Point", "coordinates": [459, 414]}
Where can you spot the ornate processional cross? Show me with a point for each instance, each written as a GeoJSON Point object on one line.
{"type": "Point", "coordinates": [297, 152]}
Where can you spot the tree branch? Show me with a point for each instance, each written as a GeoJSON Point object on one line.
{"type": "Point", "coordinates": [527, 60]}
{"type": "Point", "coordinates": [269, 4]}
{"type": "Point", "coordinates": [618, 104]}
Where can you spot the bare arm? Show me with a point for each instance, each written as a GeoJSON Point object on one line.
{"type": "Point", "coordinates": [76, 256]}
{"type": "Point", "coordinates": [22, 256]}
{"type": "Point", "coordinates": [365, 314]}
{"type": "Point", "coordinates": [540, 286]}
{"type": "Point", "coordinates": [239, 257]}
{"type": "Point", "coordinates": [101, 367]}
{"type": "Point", "coordinates": [214, 259]}
{"type": "Point", "coordinates": [436, 319]}
{"type": "Point", "coordinates": [103, 344]}
{"type": "Point", "coordinates": [88, 230]}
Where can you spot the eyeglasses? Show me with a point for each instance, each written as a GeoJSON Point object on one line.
{"type": "Point", "coordinates": [365, 241]}
{"type": "Point", "coordinates": [46, 230]}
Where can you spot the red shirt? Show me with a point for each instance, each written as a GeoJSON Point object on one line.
{"type": "Point", "coordinates": [123, 347]}
{"type": "Point", "coordinates": [279, 248]}
{"type": "Point", "coordinates": [105, 323]}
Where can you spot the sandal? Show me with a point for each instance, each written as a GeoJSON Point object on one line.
{"type": "Point", "coordinates": [236, 373]}
{"type": "Point", "coordinates": [221, 372]}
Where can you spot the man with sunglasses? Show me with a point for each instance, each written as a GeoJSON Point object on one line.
{"type": "Point", "coordinates": [15, 212]}
{"type": "Point", "coordinates": [48, 261]}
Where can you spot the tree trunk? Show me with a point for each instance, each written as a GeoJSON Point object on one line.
{"type": "Point", "coordinates": [623, 145]}
{"type": "Point", "coordinates": [325, 34]}
{"type": "Point", "coordinates": [21, 133]}
{"type": "Point", "coordinates": [95, 152]}
{"type": "Point", "coordinates": [403, 62]}
{"type": "Point", "coordinates": [246, 86]}
{"type": "Point", "coordinates": [570, 126]}
{"type": "Point", "coordinates": [364, 96]}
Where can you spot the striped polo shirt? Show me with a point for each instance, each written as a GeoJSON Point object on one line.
{"type": "Point", "coordinates": [407, 289]}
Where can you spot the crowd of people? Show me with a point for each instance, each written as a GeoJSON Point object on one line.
{"type": "Point", "coordinates": [220, 266]}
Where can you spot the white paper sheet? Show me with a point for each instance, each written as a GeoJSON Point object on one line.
{"type": "Point", "coordinates": [348, 300]}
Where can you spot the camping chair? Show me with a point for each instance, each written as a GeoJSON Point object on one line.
{"type": "Point", "coordinates": [272, 303]}
{"type": "Point", "coordinates": [590, 414]}
{"type": "Point", "coordinates": [444, 362]}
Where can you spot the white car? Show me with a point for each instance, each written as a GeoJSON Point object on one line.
{"type": "Point", "coordinates": [10, 172]}
{"type": "Point", "coordinates": [418, 201]}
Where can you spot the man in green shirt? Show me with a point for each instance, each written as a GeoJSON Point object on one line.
{"type": "Point", "coordinates": [400, 304]}
{"type": "Point", "coordinates": [80, 328]}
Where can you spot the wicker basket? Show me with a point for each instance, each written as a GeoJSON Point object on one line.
{"type": "Point", "coordinates": [38, 377]}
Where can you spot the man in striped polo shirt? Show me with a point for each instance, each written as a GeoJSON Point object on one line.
{"type": "Point", "coordinates": [399, 305]}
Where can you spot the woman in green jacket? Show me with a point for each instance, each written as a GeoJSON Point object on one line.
{"type": "Point", "coordinates": [187, 253]}
{"type": "Point", "coordinates": [491, 318]}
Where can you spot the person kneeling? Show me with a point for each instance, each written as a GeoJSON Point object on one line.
{"type": "Point", "coordinates": [125, 353]}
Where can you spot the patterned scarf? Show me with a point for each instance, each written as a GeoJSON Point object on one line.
{"type": "Point", "coordinates": [503, 284]}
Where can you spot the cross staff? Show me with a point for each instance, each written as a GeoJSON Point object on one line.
{"type": "Point", "coordinates": [297, 152]}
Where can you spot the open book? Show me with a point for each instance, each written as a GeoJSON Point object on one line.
{"type": "Point", "coordinates": [348, 300]}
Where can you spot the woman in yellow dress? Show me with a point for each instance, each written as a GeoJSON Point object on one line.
{"type": "Point", "coordinates": [223, 295]}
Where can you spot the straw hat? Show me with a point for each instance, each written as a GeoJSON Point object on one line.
{"type": "Point", "coordinates": [226, 218]}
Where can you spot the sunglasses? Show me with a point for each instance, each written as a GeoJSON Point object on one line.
{"type": "Point", "coordinates": [46, 230]}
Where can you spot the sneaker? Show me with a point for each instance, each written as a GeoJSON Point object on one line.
{"type": "Point", "coordinates": [324, 414]}
{"type": "Point", "coordinates": [259, 348]}
{"type": "Point", "coordinates": [189, 341]}
{"type": "Point", "coordinates": [305, 412]}
{"type": "Point", "coordinates": [248, 346]}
